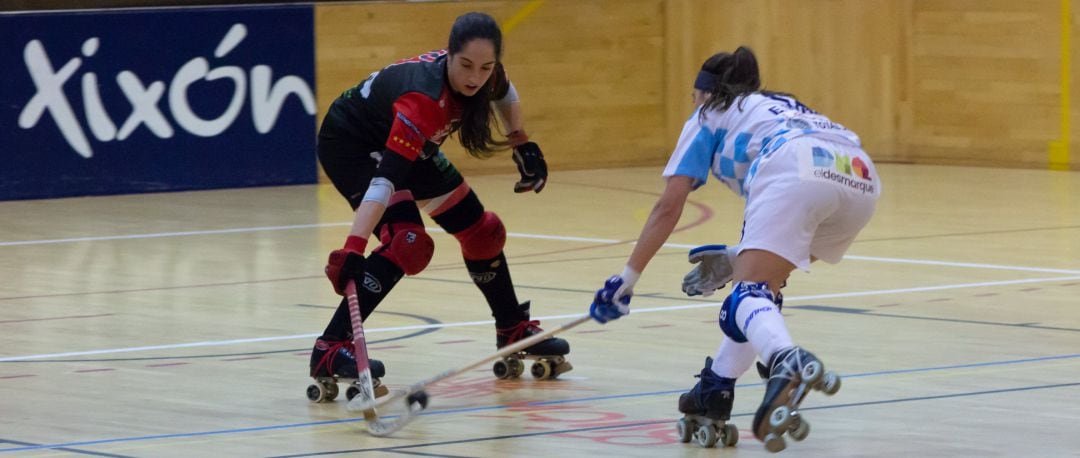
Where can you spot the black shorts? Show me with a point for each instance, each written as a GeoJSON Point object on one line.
{"type": "Point", "coordinates": [350, 164]}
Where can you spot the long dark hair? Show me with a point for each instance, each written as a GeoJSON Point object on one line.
{"type": "Point", "coordinates": [475, 128]}
{"type": "Point", "coordinates": [735, 74]}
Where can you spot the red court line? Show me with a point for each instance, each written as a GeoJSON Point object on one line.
{"type": "Point", "coordinates": [455, 341]}
{"type": "Point", "coordinates": [243, 358]}
{"type": "Point", "coordinates": [590, 331]}
{"type": "Point", "coordinates": [104, 369]}
{"type": "Point", "coordinates": [655, 326]}
{"type": "Point", "coordinates": [166, 364]}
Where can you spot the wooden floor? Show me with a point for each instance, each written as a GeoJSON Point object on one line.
{"type": "Point", "coordinates": [180, 324]}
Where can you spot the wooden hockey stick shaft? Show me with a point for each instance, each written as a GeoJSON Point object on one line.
{"type": "Point", "coordinates": [501, 353]}
{"type": "Point", "coordinates": [363, 366]}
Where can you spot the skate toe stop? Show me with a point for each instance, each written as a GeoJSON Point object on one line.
{"type": "Point", "coordinates": [562, 368]}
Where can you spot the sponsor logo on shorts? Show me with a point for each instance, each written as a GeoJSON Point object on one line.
{"type": "Point", "coordinates": [845, 170]}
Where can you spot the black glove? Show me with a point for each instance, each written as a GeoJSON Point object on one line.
{"type": "Point", "coordinates": [530, 163]}
{"type": "Point", "coordinates": [345, 265]}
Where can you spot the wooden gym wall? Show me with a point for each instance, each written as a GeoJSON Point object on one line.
{"type": "Point", "coordinates": [607, 83]}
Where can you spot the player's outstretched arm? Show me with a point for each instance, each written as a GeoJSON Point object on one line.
{"type": "Point", "coordinates": [613, 299]}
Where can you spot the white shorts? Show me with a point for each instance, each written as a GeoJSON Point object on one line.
{"type": "Point", "coordinates": [811, 197]}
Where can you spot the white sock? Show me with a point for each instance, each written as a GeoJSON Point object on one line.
{"type": "Point", "coordinates": [763, 325]}
{"type": "Point", "coordinates": [733, 359]}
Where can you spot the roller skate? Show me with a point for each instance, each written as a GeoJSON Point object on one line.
{"type": "Point", "coordinates": [793, 372]}
{"type": "Point", "coordinates": [706, 409]}
{"type": "Point", "coordinates": [333, 362]}
{"type": "Point", "coordinates": [549, 355]}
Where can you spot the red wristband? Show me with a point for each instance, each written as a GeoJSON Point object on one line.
{"type": "Point", "coordinates": [357, 244]}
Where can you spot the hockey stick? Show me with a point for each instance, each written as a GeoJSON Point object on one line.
{"type": "Point", "coordinates": [363, 366]}
{"type": "Point", "coordinates": [416, 397]}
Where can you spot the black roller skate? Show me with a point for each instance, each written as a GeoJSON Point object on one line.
{"type": "Point", "coordinates": [549, 354]}
{"type": "Point", "coordinates": [333, 362]}
{"type": "Point", "coordinates": [793, 372]}
{"type": "Point", "coordinates": [706, 409]}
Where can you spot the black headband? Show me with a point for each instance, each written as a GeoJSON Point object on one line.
{"type": "Point", "coordinates": [705, 81]}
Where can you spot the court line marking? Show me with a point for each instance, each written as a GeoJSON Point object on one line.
{"type": "Point", "coordinates": [509, 234]}
{"type": "Point", "coordinates": [396, 448]}
{"type": "Point", "coordinates": [636, 311]}
{"type": "Point", "coordinates": [598, 398]}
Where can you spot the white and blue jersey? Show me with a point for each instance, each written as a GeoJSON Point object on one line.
{"type": "Point", "coordinates": [731, 143]}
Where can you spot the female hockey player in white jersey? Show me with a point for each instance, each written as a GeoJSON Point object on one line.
{"type": "Point", "coordinates": [809, 190]}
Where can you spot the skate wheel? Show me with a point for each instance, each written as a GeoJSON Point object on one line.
{"type": "Point", "coordinates": [501, 369]}
{"type": "Point", "coordinates": [780, 418]}
{"type": "Point", "coordinates": [351, 392]}
{"type": "Point", "coordinates": [706, 435]}
{"type": "Point", "coordinates": [516, 368]}
{"type": "Point", "coordinates": [774, 443]}
{"type": "Point", "coordinates": [811, 373]}
{"type": "Point", "coordinates": [729, 435]}
{"type": "Point", "coordinates": [331, 392]}
{"type": "Point", "coordinates": [799, 429]}
{"type": "Point", "coordinates": [686, 428]}
{"type": "Point", "coordinates": [508, 368]}
{"type": "Point", "coordinates": [541, 369]}
{"type": "Point", "coordinates": [316, 392]}
{"type": "Point", "coordinates": [831, 384]}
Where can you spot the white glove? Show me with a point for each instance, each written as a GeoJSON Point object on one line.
{"type": "Point", "coordinates": [713, 269]}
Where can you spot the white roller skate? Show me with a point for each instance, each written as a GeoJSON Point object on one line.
{"type": "Point", "coordinates": [793, 372]}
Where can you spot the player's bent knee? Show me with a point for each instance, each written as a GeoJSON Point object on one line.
{"type": "Point", "coordinates": [407, 245]}
{"type": "Point", "coordinates": [739, 293]}
{"type": "Point", "coordinates": [484, 239]}
{"type": "Point", "coordinates": [727, 318]}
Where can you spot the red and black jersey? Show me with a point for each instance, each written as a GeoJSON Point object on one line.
{"type": "Point", "coordinates": [407, 107]}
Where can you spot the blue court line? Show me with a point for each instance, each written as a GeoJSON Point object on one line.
{"type": "Point", "coordinates": [578, 400]}
{"type": "Point", "coordinates": [672, 420]}
{"type": "Point", "coordinates": [872, 313]}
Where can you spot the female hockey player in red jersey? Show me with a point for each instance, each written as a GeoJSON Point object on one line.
{"type": "Point", "coordinates": [379, 145]}
{"type": "Point", "coordinates": [809, 190]}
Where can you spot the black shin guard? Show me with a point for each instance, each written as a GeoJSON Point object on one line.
{"type": "Point", "coordinates": [379, 278]}
{"type": "Point", "coordinates": [492, 276]}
